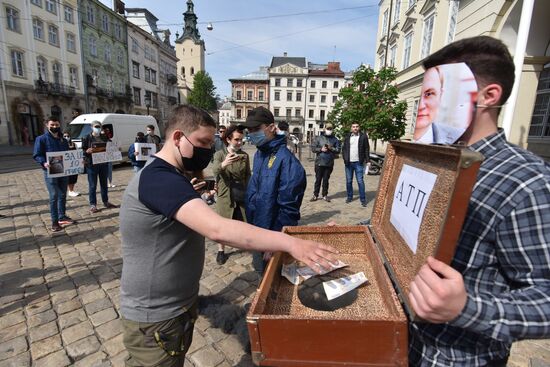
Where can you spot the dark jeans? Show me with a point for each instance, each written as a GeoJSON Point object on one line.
{"type": "Point", "coordinates": [101, 170]}
{"type": "Point", "coordinates": [57, 188]}
{"type": "Point", "coordinates": [359, 170]}
{"type": "Point", "coordinates": [322, 173]}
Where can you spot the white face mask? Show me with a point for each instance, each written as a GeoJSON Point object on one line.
{"type": "Point", "coordinates": [233, 148]}
{"type": "Point", "coordinates": [328, 132]}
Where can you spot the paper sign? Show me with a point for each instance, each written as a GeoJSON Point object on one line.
{"type": "Point", "coordinates": [412, 194]}
{"type": "Point", "coordinates": [145, 150]}
{"type": "Point", "coordinates": [110, 153]}
{"type": "Point", "coordinates": [65, 163]}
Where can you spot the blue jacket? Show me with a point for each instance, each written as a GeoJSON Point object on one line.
{"type": "Point", "coordinates": [132, 156]}
{"type": "Point", "coordinates": [48, 143]}
{"type": "Point", "coordinates": [276, 188]}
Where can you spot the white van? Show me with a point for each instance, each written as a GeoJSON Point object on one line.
{"type": "Point", "coordinates": [123, 127]}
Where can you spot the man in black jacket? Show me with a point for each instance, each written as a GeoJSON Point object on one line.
{"type": "Point", "coordinates": [355, 152]}
{"type": "Point", "coordinates": [326, 146]}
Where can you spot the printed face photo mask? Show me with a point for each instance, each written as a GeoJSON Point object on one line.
{"type": "Point", "coordinates": [447, 104]}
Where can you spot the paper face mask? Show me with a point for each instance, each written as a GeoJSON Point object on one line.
{"type": "Point", "coordinates": [446, 105]}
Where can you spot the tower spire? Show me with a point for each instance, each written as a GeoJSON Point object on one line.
{"type": "Point", "coordinates": [190, 29]}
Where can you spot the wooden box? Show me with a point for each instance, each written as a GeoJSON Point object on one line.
{"type": "Point", "coordinates": [373, 330]}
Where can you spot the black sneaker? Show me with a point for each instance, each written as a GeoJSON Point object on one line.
{"type": "Point", "coordinates": [56, 227]}
{"type": "Point", "coordinates": [221, 258]}
{"type": "Point", "coordinates": [66, 220]}
{"type": "Point", "coordinates": [364, 204]}
{"type": "Point", "coordinates": [348, 201]}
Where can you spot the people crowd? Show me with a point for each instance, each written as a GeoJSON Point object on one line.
{"type": "Point", "coordinates": [495, 291]}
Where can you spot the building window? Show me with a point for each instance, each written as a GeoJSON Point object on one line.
{"type": "Point", "coordinates": [56, 69]}
{"type": "Point", "coordinates": [312, 98]}
{"type": "Point", "coordinates": [53, 35]}
{"type": "Point", "coordinates": [382, 61]}
{"type": "Point", "coordinates": [249, 95]}
{"type": "Point", "coordinates": [407, 50]}
{"type": "Point", "coordinates": [385, 23]}
{"type": "Point", "coordinates": [414, 114]}
{"type": "Point", "coordinates": [298, 112]}
{"type": "Point", "coordinates": [42, 66]}
{"type": "Point", "coordinates": [120, 58]}
{"type": "Point", "coordinates": [289, 96]}
{"type": "Point", "coordinates": [311, 112]}
{"type": "Point", "coordinates": [107, 53]}
{"type": "Point", "coordinates": [276, 112]}
{"type": "Point", "coordinates": [95, 77]}
{"type": "Point", "coordinates": [277, 96]}
{"type": "Point", "coordinates": [322, 115]}
{"type": "Point", "coordinates": [239, 95]}
{"type": "Point", "coordinates": [147, 74]}
{"type": "Point", "coordinates": [93, 46]}
{"type": "Point", "coordinates": [239, 113]}
{"type": "Point", "coordinates": [277, 82]}
{"type": "Point", "coordinates": [71, 42]}
{"type": "Point", "coordinates": [137, 96]}
{"type": "Point", "coordinates": [288, 112]}
{"type": "Point", "coordinates": [393, 52]}
{"type": "Point", "coordinates": [298, 96]}
{"type": "Point", "coordinates": [118, 31]}
{"type": "Point", "coordinates": [153, 76]}
{"type": "Point", "coordinates": [335, 85]}
{"type": "Point", "coordinates": [289, 82]}
{"type": "Point", "coordinates": [135, 69]}
{"type": "Point", "coordinates": [298, 82]}
{"type": "Point", "coordinates": [90, 14]}
{"type": "Point", "coordinates": [453, 15]}
{"type": "Point", "coordinates": [261, 95]}
{"type": "Point", "coordinates": [73, 76]}
{"type": "Point", "coordinates": [312, 84]}
{"type": "Point", "coordinates": [13, 21]}
{"type": "Point", "coordinates": [183, 71]}
{"type": "Point", "coordinates": [324, 84]}
{"type": "Point", "coordinates": [397, 11]}
{"type": "Point", "coordinates": [69, 14]}
{"type": "Point", "coordinates": [192, 70]}
{"type": "Point", "coordinates": [38, 29]}
{"type": "Point", "coordinates": [17, 63]}
{"type": "Point", "coordinates": [51, 6]}
{"type": "Point", "coordinates": [135, 46]}
{"type": "Point", "coordinates": [323, 99]}
{"type": "Point", "coordinates": [105, 23]}
{"type": "Point", "coordinates": [540, 120]}
{"type": "Point", "coordinates": [37, 2]}
{"type": "Point", "coordinates": [334, 98]}
{"type": "Point", "coordinates": [427, 36]}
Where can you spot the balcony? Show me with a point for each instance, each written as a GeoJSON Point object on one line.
{"type": "Point", "coordinates": [171, 79]}
{"type": "Point", "coordinates": [54, 89]}
{"type": "Point", "coordinates": [106, 93]}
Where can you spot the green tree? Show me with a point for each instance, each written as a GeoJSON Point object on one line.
{"type": "Point", "coordinates": [371, 101]}
{"type": "Point", "coordinates": [203, 94]}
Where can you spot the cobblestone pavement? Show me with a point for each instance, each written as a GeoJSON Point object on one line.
{"type": "Point", "coordinates": [59, 294]}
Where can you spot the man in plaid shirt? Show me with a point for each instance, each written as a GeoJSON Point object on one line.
{"type": "Point", "coordinates": [497, 289]}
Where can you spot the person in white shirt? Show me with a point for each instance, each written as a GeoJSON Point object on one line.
{"type": "Point", "coordinates": [355, 153]}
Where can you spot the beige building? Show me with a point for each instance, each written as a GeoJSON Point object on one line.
{"type": "Point", "coordinates": [41, 71]}
{"type": "Point", "coordinates": [190, 53]}
{"type": "Point", "coordinates": [409, 30]}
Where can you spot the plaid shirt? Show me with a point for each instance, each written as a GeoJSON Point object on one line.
{"type": "Point", "coordinates": [504, 257]}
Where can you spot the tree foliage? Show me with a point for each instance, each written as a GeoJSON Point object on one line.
{"type": "Point", "coordinates": [203, 94]}
{"type": "Point", "coordinates": [372, 102]}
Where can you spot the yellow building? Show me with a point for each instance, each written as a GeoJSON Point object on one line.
{"type": "Point", "coordinates": [410, 30]}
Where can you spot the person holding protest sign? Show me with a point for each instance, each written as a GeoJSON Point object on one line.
{"type": "Point", "coordinates": [96, 142]}
{"type": "Point", "coordinates": [51, 141]}
{"type": "Point", "coordinates": [133, 153]}
{"type": "Point", "coordinates": [72, 178]}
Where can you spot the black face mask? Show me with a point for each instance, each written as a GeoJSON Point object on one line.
{"type": "Point", "coordinates": [200, 159]}
{"type": "Point", "coordinates": [55, 130]}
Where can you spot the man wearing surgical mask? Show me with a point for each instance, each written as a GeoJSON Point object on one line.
{"type": "Point", "coordinates": [91, 144]}
{"type": "Point", "coordinates": [276, 188]}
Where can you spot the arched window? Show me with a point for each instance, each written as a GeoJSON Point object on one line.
{"type": "Point", "coordinates": [192, 70]}
{"type": "Point", "coordinates": [42, 66]}
{"type": "Point", "coordinates": [183, 71]}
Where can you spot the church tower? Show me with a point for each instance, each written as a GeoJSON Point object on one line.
{"type": "Point", "coordinates": [190, 52]}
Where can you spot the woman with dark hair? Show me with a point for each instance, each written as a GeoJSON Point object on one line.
{"type": "Point", "coordinates": [73, 178]}
{"type": "Point", "coordinates": [232, 171]}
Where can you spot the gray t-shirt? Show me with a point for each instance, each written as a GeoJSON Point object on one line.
{"type": "Point", "coordinates": [162, 259]}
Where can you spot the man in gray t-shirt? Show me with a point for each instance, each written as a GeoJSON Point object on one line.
{"type": "Point", "coordinates": [163, 223]}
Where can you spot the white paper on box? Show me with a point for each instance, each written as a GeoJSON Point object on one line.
{"type": "Point", "coordinates": [412, 194]}
{"type": "Point", "coordinates": [337, 287]}
{"type": "Point", "coordinates": [297, 275]}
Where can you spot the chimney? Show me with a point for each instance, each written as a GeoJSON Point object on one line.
{"type": "Point", "coordinates": [285, 54]}
{"type": "Point", "coordinates": [333, 66]}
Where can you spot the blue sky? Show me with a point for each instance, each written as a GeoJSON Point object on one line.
{"type": "Point", "coordinates": [314, 36]}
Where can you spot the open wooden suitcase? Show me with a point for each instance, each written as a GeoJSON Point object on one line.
{"type": "Point", "coordinates": [373, 329]}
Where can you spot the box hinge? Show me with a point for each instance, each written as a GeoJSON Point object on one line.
{"type": "Point", "coordinates": [257, 358]}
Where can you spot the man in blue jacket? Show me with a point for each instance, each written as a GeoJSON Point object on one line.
{"type": "Point", "coordinates": [52, 141]}
{"type": "Point", "coordinates": [276, 188]}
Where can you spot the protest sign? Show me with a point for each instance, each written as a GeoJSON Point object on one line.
{"type": "Point", "coordinates": [144, 151]}
{"type": "Point", "coordinates": [65, 163]}
{"type": "Point", "coordinates": [110, 153]}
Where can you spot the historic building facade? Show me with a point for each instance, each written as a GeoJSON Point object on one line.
{"type": "Point", "coordinates": [410, 30]}
{"type": "Point", "coordinates": [248, 92]}
{"type": "Point", "coordinates": [41, 73]}
{"type": "Point", "coordinates": [190, 53]}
